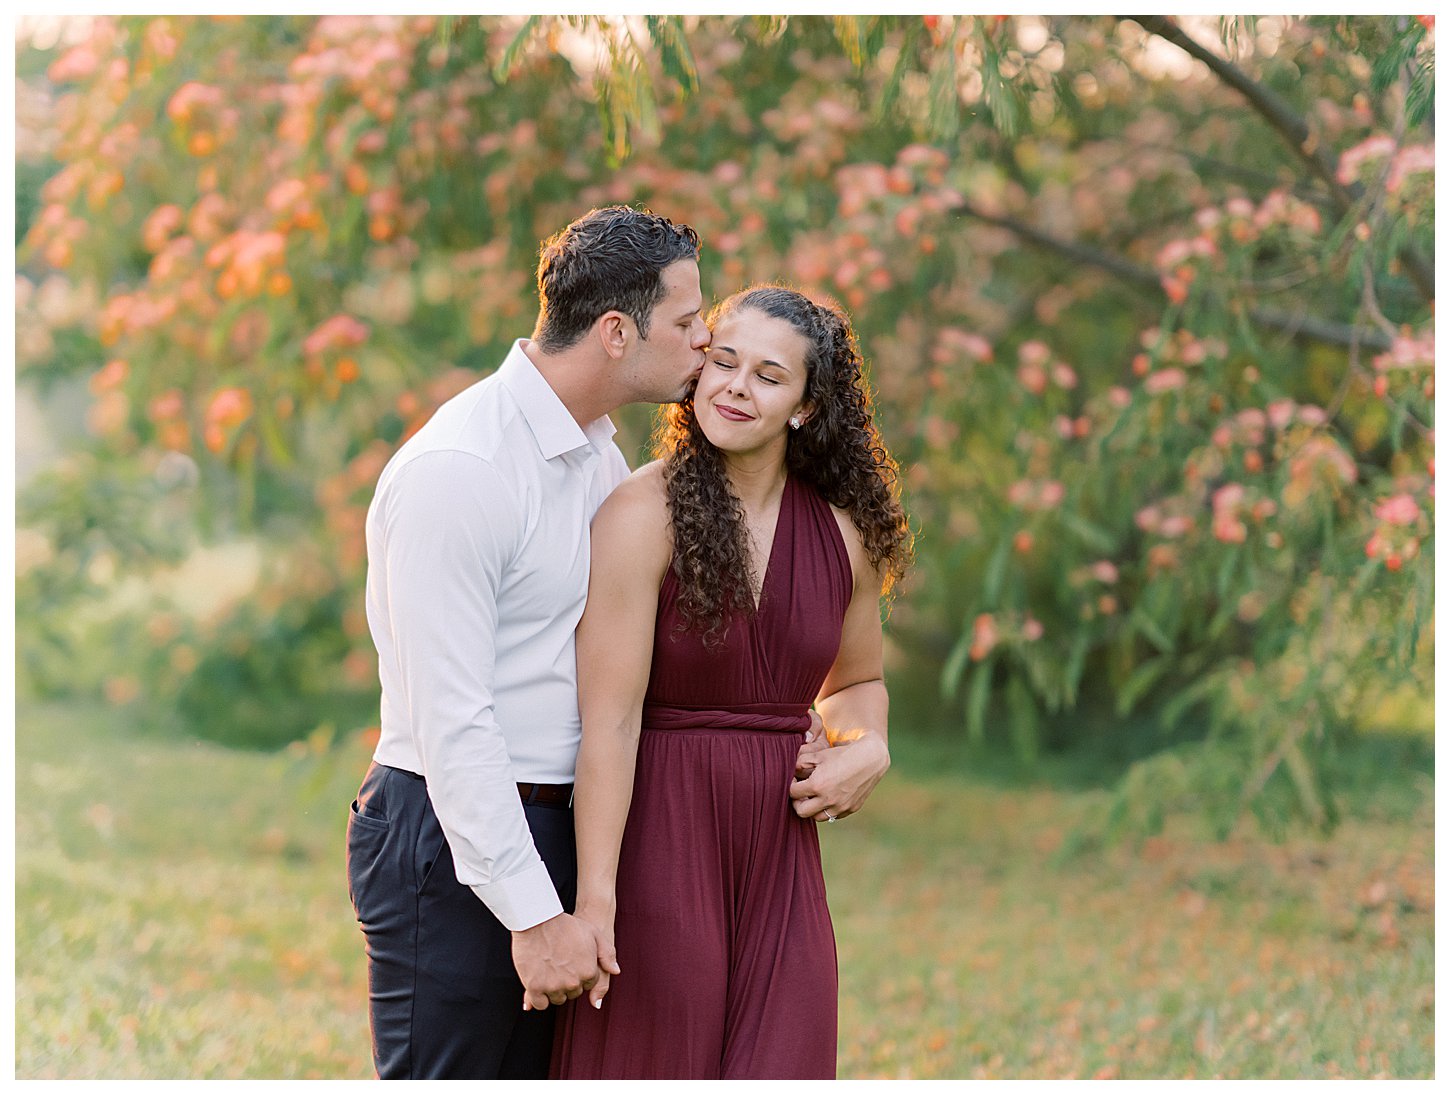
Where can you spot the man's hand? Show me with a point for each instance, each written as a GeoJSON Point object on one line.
{"type": "Point", "coordinates": [557, 960]}
{"type": "Point", "coordinates": [839, 778]}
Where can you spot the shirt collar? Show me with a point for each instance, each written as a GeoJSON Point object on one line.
{"type": "Point", "coordinates": [553, 426]}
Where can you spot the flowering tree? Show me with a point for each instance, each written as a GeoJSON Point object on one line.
{"type": "Point", "coordinates": [1148, 306]}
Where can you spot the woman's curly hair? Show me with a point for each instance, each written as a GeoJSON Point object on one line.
{"type": "Point", "coordinates": [837, 450]}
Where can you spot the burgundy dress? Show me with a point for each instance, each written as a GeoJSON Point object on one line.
{"type": "Point", "coordinates": [722, 928]}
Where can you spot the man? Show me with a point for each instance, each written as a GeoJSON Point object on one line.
{"type": "Point", "coordinates": [460, 842]}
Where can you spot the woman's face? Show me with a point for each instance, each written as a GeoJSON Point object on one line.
{"type": "Point", "coordinates": [753, 381]}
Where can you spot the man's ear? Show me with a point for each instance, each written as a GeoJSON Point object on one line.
{"type": "Point", "coordinates": [615, 330]}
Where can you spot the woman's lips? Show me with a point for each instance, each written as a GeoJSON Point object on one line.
{"type": "Point", "coordinates": [732, 414]}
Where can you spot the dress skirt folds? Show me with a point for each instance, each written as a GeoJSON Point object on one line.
{"type": "Point", "coordinates": [722, 929]}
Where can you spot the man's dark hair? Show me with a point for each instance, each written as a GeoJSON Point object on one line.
{"type": "Point", "coordinates": [609, 260]}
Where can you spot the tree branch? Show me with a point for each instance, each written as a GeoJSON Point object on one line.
{"type": "Point", "coordinates": [1281, 116]}
{"type": "Point", "coordinates": [1304, 328]}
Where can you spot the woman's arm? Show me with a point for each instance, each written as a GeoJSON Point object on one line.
{"type": "Point", "coordinates": [852, 703]}
{"type": "Point", "coordinates": [629, 551]}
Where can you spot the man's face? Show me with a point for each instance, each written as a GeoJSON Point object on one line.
{"type": "Point", "coordinates": [664, 365]}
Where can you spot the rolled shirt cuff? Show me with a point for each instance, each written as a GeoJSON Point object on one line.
{"type": "Point", "coordinates": [523, 900]}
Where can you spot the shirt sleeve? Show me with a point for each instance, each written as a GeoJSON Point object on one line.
{"type": "Point", "coordinates": [450, 529]}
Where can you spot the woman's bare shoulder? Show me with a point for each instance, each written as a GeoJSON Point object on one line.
{"type": "Point", "coordinates": [636, 517]}
{"type": "Point", "coordinates": [641, 494]}
{"type": "Point", "coordinates": [861, 568]}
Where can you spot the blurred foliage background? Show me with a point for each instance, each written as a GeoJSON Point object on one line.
{"type": "Point", "coordinates": [1148, 306]}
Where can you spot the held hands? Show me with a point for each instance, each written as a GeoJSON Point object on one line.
{"type": "Point", "coordinates": [559, 959]}
{"type": "Point", "coordinates": [601, 921]}
{"type": "Point", "coordinates": [837, 771]}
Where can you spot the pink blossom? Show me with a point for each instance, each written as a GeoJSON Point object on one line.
{"type": "Point", "coordinates": [1063, 376]}
{"type": "Point", "coordinates": [1031, 629]}
{"type": "Point", "coordinates": [728, 172]}
{"type": "Point", "coordinates": [1408, 353]}
{"type": "Point", "coordinates": [1252, 419]}
{"type": "Point", "coordinates": [159, 225]}
{"type": "Point", "coordinates": [1104, 571]}
{"type": "Point", "coordinates": [1063, 425]}
{"type": "Point", "coordinates": [1032, 377]}
{"type": "Point", "coordinates": [191, 95]}
{"type": "Point", "coordinates": [984, 636]}
{"type": "Point", "coordinates": [1399, 509]}
{"type": "Point", "coordinates": [1222, 437]}
{"type": "Point", "coordinates": [1034, 352]}
{"type": "Point", "coordinates": [1148, 519]}
{"type": "Point", "coordinates": [1165, 380]}
{"type": "Point", "coordinates": [969, 342]}
{"type": "Point", "coordinates": [1230, 530]}
{"type": "Point", "coordinates": [1228, 496]}
{"type": "Point", "coordinates": [1036, 494]}
{"type": "Point", "coordinates": [229, 407]}
{"type": "Point", "coordinates": [76, 63]}
{"type": "Point", "coordinates": [1175, 526]}
{"type": "Point", "coordinates": [1281, 413]}
{"type": "Point", "coordinates": [285, 194]}
{"type": "Point", "coordinates": [921, 155]}
{"type": "Point", "coordinates": [340, 330]}
{"type": "Point", "coordinates": [1371, 148]}
{"type": "Point", "coordinates": [1119, 396]}
{"type": "Point", "coordinates": [1322, 452]}
{"type": "Point", "coordinates": [1413, 160]}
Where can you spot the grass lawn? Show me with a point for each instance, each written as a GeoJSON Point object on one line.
{"type": "Point", "coordinates": [181, 911]}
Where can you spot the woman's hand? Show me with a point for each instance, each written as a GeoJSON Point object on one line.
{"type": "Point", "coordinates": [816, 741]}
{"type": "Point", "coordinates": [839, 778]}
{"type": "Point", "coordinates": [600, 919]}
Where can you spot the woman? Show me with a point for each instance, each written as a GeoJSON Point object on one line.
{"type": "Point", "coordinates": [733, 581]}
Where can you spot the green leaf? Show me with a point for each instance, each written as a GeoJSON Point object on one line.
{"type": "Point", "coordinates": [943, 117]}
{"type": "Point", "coordinates": [1146, 626]}
{"type": "Point", "coordinates": [1076, 660]}
{"type": "Point", "coordinates": [996, 571]}
{"type": "Point", "coordinates": [850, 31]}
{"type": "Point", "coordinates": [1389, 64]}
{"type": "Point", "coordinates": [1420, 99]}
{"type": "Point", "coordinates": [1142, 679]}
{"type": "Point", "coordinates": [1172, 712]}
{"type": "Point", "coordinates": [515, 48]}
{"type": "Point", "coordinates": [1022, 720]}
{"type": "Point", "coordinates": [906, 59]}
{"type": "Point", "coordinates": [668, 34]}
{"type": "Point", "coordinates": [1092, 535]}
{"type": "Point", "coordinates": [956, 663]}
{"type": "Point", "coordinates": [978, 693]}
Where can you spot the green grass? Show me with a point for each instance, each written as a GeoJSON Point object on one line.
{"type": "Point", "coordinates": [181, 911]}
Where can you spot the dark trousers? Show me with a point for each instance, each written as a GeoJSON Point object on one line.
{"type": "Point", "coordinates": [446, 1002]}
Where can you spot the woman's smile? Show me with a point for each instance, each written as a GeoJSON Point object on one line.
{"type": "Point", "coordinates": [733, 414]}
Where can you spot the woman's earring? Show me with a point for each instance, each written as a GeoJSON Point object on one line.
{"type": "Point", "coordinates": [795, 422]}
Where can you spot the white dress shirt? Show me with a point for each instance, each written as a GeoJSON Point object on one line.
{"type": "Point", "coordinates": [478, 566]}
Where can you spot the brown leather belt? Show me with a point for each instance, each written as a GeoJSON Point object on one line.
{"type": "Point", "coordinates": [558, 795]}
